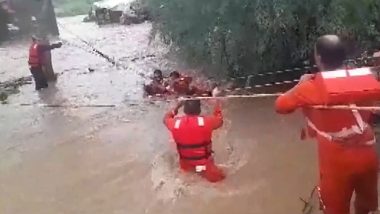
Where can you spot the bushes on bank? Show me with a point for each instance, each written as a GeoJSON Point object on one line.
{"type": "Point", "coordinates": [254, 36]}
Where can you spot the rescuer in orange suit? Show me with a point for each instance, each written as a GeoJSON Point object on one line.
{"type": "Point", "coordinates": [346, 143]}
{"type": "Point", "coordinates": [192, 134]}
{"type": "Point", "coordinates": [36, 51]}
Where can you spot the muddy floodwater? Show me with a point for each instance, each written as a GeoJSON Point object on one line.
{"type": "Point", "coordinates": [121, 160]}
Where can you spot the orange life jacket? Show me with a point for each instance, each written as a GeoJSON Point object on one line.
{"type": "Point", "coordinates": [34, 56]}
{"type": "Point", "coordinates": [193, 139]}
{"type": "Point", "coordinates": [346, 87]}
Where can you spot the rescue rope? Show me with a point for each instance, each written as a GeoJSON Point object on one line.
{"type": "Point", "coordinates": [232, 97]}
{"type": "Point", "coordinates": [69, 106]}
{"type": "Point", "coordinates": [349, 107]}
{"type": "Point", "coordinates": [301, 70]}
{"type": "Point", "coordinates": [336, 107]}
{"type": "Point", "coordinates": [128, 104]}
{"type": "Point", "coordinates": [93, 49]}
{"type": "Point", "coordinates": [309, 204]}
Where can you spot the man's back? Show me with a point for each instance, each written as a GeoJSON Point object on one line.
{"type": "Point", "coordinates": [323, 123]}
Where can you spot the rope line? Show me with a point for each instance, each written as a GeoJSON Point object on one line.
{"type": "Point", "coordinates": [336, 107]}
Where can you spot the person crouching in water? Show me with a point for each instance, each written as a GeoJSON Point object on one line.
{"type": "Point", "coordinates": [36, 51]}
{"type": "Point", "coordinates": [157, 86]}
{"type": "Point", "coordinates": [192, 134]}
{"type": "Point", "coordinates": [181, 85]}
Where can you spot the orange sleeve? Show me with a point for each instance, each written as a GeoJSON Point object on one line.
{"type": "Point", "coordinates": [301, 95]}
{"type": "Point", "coordinates": [169, 119]}
{"type": "Point", "coordinates": [216, 119]}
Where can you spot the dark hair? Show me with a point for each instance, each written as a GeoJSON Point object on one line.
{"type": "Point", "coordinates": [175, 74]}
{"type": "Point", "coordinates": [157, 72]}
{"type": "Point", "coordinates": [331, 50]}
{"type": "Point", "coordinates": [192, 107]}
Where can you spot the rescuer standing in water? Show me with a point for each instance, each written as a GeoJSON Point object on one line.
{"type": "Point", "coordinates": [192, 134]}
{"type": "Point", "coordinates": [36, 51]}
{"type": "Point", "coordinates": [347, 156]}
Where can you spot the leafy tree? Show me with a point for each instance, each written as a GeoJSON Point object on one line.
{"type": "Point", "coordinates": [255, 36]}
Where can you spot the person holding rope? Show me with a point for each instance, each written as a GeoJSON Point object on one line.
{"type": "Point", "coordinates": [346, 143]}
{"type": "Point", "coordinates": [192, 134]}
{"type": "Point", "coordinates": [36, 53]}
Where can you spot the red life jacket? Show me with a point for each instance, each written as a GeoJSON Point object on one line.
{"type": "Point", "coordinates": [345, 87]}
{"type": "Point", "coordinates": [193, 139]}
{"type": "Point", "coordinates": [34, 56]}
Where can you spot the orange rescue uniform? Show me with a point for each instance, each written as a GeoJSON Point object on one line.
{"type": "Point", "coordinates": [193, 135]}
{"type": "Point", "coordinates": [347, 156]}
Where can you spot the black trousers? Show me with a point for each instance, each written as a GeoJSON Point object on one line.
{"type": "Point", "coordinates": [39, 77]}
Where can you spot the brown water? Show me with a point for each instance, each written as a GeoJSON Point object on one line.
{"type": "Point", "coordinates": [121, 160]}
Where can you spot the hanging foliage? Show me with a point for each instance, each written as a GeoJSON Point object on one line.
{"type": "Point", "coordinates": [251, 36]}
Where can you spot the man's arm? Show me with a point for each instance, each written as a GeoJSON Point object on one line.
{"type": "Point", "coordinates": [286, 103]}
{"type": "Point", "coordinates": [43, 48]}
{"type": "Point", "coordinates": [169, 116]}
{"type": "Point", "coordinates": [217, 120]}
{"type": "Point", "coordinates": [169, 119]}
{"type": "Point", "coordinates": [294, 98]}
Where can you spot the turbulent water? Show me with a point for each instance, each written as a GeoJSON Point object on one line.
{"type": "Point", "coordinates": [121, 160]}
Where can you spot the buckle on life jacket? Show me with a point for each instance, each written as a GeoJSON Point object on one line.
{"type": "Point", "coordinates": [200, 168]}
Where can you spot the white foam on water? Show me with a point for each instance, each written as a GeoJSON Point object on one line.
{"type": "Point", "coordinates": [170, 184]}
{"type": "Point", "coordinates": [166, 178]}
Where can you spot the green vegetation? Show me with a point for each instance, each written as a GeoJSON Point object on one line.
{"type": "Point", "coordinates": [254, 36]}
{"type": "Point", "coordinates": [72, 7]}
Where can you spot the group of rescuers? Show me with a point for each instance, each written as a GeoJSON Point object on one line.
{"type": "Point", "coordinates": [348, 160]}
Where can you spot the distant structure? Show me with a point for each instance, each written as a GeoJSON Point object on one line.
{"type": "Point", "coordinates": [30, 16]}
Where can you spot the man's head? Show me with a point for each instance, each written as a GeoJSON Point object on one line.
{"type": "Point", "coordinates": [174, 75]}
{"type": "Point", "coordinates": [329, 52]}
{"type": "Point", "coordinates": [192, 107]}
{"type": "Point", "coordinates": [36, 38]}
{"type": "Point", "coordinates": [157, 75]}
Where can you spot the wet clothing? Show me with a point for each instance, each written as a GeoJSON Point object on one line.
{"type": "Point", "coordinates": [346, 146]}
{"type": "Point", "coordinates": [35, 62]}
{"type": "Point", "coordinates": [39, 78]}
{"type": "Point", "coordinates": [183, 86]}
{"type": "Point", "coordinates": [193, 135]}
{"type": "Point", "coordinates": [156, 88]}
